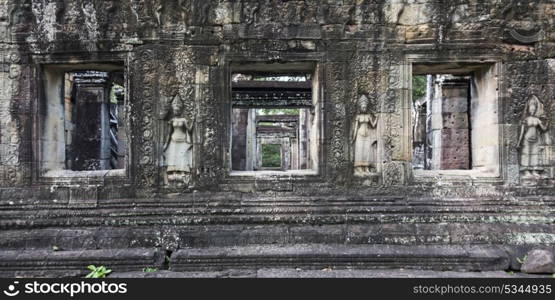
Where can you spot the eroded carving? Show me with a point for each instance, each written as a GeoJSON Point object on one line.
{"type": "Point", "coordinates": [178, 148]}
{"type": "Point", "coordinates": [534, 139]}
{"type": "Point", "coordinates": [393, 173]}
{"type": "Point", "coordinates": [249, 12]}
{"type": "Point", "coordinates": [365, 139]}
{"type": "Point", "coordinates": [147, 68]}
{"type": "Point", "coordinates": [91, 24]}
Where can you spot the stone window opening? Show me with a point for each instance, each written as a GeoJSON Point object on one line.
{"type": "Point", "coordinates": [273, 114]}
{"type": "Point", "coordinates": [84, 128]}
{"type": "Point", "coordinates": [454, 120]}
{"type": "Point", "coordinates": [442, 132]}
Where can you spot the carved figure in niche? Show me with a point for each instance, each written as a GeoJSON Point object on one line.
{"type": "Point", "coordinates": [533, 139]}
{"type": "Point", "coordinates": [184, 10]}
{"type": "Point", "coordinates": [20, 15]}
{"type": "Point", "coordinates": [178, 148]}
{"type": "Point", "coordinates": [365, 139]}
{"type": "Point", "coordinates": [249, 12]}
{"type": "Point", "coordinates": [159, 7]}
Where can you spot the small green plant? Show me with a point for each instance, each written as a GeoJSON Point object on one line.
{"type": "Point", "coordinates": [510, 272]}
{"type": "Point", "coordinates": [553, 275]}
{"type": "Point", "coordinates": [149, 270]}
{"type": "Point", "coordinates": [521, 261]}
{"type": "Point", "coordinates": [98, 272]}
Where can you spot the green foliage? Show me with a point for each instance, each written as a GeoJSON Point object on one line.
{"type": "Point", "coordinates": [113, 90]}
{"type": "Point", "coordinates": [279, 111]}
{"type": "Point", "coordinates": [418, 86]}
{"type": "Point", "coordinates": [271, 155]}
{"type": "Point", "coordinates": [521, 261]}
{"type": "Point", "coordinates": [291, 77]}
{"type": "Point", "coordinates": [149, 270]}
{"type": "Point", "coordinates": [98, 272]}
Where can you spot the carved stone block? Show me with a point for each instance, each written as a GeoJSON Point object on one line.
{"type": "Point", "coordinates": [83, 196]}
{"type": "Point", "coordinates": [393, 173]}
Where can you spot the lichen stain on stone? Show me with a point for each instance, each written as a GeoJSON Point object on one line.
{"type": "Point", "coordinates": [530, 238]}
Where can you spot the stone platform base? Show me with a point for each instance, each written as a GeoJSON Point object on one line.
{"type": "Point", "coordinates": [47, 263]}
{"type": "Point", "coordinates": [316, 257]}
{"type": "Point", "coordinates": [427, 257]}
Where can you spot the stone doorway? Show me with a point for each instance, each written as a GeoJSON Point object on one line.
{"type": "Point", "coordinates": [272, 109]}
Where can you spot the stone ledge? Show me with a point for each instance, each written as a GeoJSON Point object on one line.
{"type": "Point", "coordinates": [542, 213]}
{"type": "Point", "coordinates": [48, 263]}
{"type": "Point", "coordinates": [239, 235]}
{"type": "Point", "coordinates": [428, 257]}
{"type": "Point", "coordinates": [324, 273]}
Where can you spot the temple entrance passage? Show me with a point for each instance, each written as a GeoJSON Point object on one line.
{"type": "Point", "coordinates": [271, 117]}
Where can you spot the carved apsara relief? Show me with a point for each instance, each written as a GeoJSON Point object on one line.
{"type": "Point", "coordinates": [179, 119]}
{"type": "Point", "coordinates": [365, 139]}
{"type": "Point", "coordinates": [250, 10]}
{"type": "Point", "coordinates": [20, 16]}
{"type": "Point", "coordinates": [45, 18]}
{"type": "Point", "coordinates": [534, 140]}
{"type": "Point", "coordinates": [172, 15]}
{"type": "Point", "coordinates": [178, 148]}
{"type": "Point", "coordinates": [91, 24]}
{"type": "Point", "coordinates": [371, 82]}
{"type": "Point", "coordinates": [138, 9]}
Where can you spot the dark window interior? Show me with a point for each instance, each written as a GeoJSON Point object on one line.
{"type": "Point", "coordinates": [95, 133]}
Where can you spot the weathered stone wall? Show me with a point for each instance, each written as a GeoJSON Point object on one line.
{"type": "Point", "coordinates": [362, 47]}
{"type": "Point", "coordinates": [359, 47]}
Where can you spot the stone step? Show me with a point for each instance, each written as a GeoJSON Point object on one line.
{"type": "Point", "coordinates": [294, 202]}
{"type": "Point", "coordinates": [312, 256]}
{"type": "Point", "coordinates": [48, 263]}
{"type": "Point", "coordinates": [326, 273]}
{"type": "Point", "coordinates": [43, 263]}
